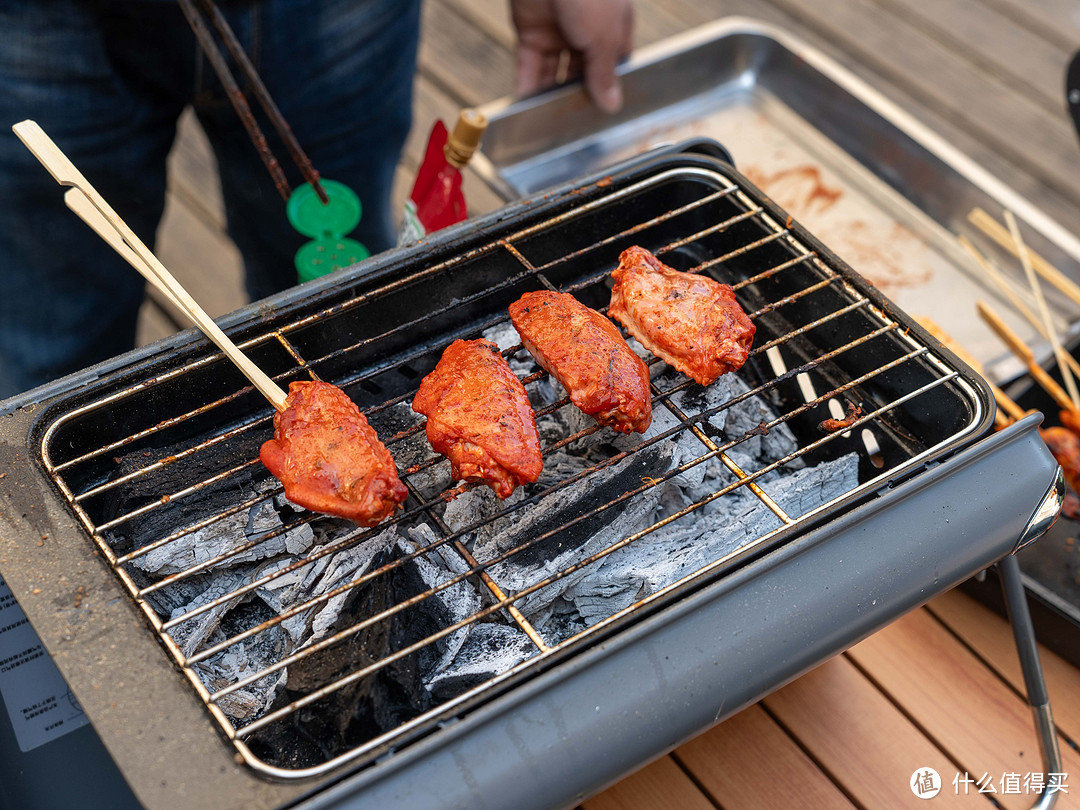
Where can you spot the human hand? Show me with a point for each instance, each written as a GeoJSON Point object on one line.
{"type": "Point", "coordinates": [595, 33]}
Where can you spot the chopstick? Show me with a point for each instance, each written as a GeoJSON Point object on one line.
{"type": "Point", "coordinates": [255, 84]}
{"type": "Point", "coordinates": [1020, 349]}
{"type": "Point", "coordinates": [114, 230]}
{"type": "Point", "coordinates": [1012, 411]}
{"type": "Point", "coordinates": [1044, 312]}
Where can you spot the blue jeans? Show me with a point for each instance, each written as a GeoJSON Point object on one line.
{"type": "Point", "coordinates": [107, 79]}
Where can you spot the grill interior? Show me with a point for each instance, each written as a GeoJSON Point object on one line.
{"type": "Point", "coordinates": [314, 642]}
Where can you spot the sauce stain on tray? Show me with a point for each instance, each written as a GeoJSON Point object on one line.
{"type": "Point", "coordinates": [878, 248]}
{"type": "Point", "coordinates": [799, 188]}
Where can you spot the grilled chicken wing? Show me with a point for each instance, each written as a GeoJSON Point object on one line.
{"type": "Point", "coordinates": [479, 417]}
{"type": "Point", "coordinates": [688, 320]}
{"type": "Point", "coordinates": [585, 352]}
{"type": "Point", "coordinates": [329, 458]}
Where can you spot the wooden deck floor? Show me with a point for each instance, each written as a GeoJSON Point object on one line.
{"type": "Point", "coordinates": [941, 687]}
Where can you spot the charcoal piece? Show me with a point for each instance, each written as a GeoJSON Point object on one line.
{"type": "Point", "coordinates": [567, 546]}
{"type": "Point", "coordinates": [477, 505]}
{"type": "Point", "coordinates": [682, 547]}
{"type": "Point", "coordinates": [390, 423]}
{"type": "Point", "coordinates": [194, 469]}
{"type": "Point", "coordinates": [745, 419]}
{"type": "Point", "coordinates": [813, 487]}
{"type": "Point", "coordinates": [192, 633]}
{"type": "Point", "coordinates": [437, 567]}
{"type": "Point", "coordinates": [227, 534]}
{"type": "Point", "coordinates": [486, 649]}
{"type": "Point", "coordinates": [695, 399]}
{"type": "Point", "coordinates": [391, 695]}
{"type": "Point", "coordinates": [241, 661]}
{"type": "Point", "coordinates": [321, 577]}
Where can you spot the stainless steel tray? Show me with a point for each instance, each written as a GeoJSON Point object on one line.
{"type": "Point", "coordinates": [884, 192]}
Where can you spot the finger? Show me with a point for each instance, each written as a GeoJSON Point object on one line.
{"type": "Point", "coordinates": [601, 83]}
{"type": "Point", "coordinates": [535, 71]}
{"type": "Point", "coordinates": [575, 67]}
{"type": "Point", "coordinates": [626, 45]}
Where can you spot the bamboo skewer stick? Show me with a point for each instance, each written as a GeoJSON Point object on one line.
{"type": "Point", "coordinates": [1020, 349]}
{"type": "Point", "coordinates": [1000, 234]}
{"type": "Point", "coordinates": [1008, 410]}
{"type": "Point", "coordinates": [65, 173]}
{"type": "Point", "coordinates": [995, 275]}
{"type": "Point", "coordinates": [1044, 312]}
{"type": "Point", "coordinates": [1006, 289]}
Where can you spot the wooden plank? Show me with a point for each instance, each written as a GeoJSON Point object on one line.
{"type": "Point", "coordinates": [748, 762]}
{"type": "Point", "coordinates": [153, 323]}
{"type": "Point", "coordinates": [205, 261]}
{"type": "Point", "coordinates": [990, 635]}
{"type": "Point", "coordinates": [973, 716]}
{"type": "Point", "coordinates": [192, 171]}
{"type": "Point", "coordinates": [463, 60]}
{"type": "Point", "coordinates": [1057, 21]}
{"type": "Point", "coordinates": [991, 41]}
{"type": "Point", "coordinates": [864, 742]}
{"type": "Point", "coordinates": [661, 785]}
{"type": "Point", "coordinates": [1005, 120]}
{"type": "Point", "coordinates": [651, 20]}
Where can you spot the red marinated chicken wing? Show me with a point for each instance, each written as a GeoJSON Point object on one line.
{"type": "Point", "coordinates": [585, 352]}
{"type": "Point", "coordinates": [687, 320]}
{"type": "Point", "coordinates": [479, 417]}
{"type": "Point", "coordinates": [329, 458]}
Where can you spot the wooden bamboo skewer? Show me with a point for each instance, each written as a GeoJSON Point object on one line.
{"type": "Point", "coordinates": [1000, 234]}
{"type": "Point", "coordinates": [65, 173]}
{"type": "Point", "coordinates": [1008, 410]}
{"type": "Point", "coordinates": [991, 271]}
{"type": "Point", "coordinates": [1020, 349]}
{"type": "Point", "coordinates": [1044, 312]}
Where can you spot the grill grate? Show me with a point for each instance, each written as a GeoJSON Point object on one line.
{"type": "Point", "coordinates": [167, 469]}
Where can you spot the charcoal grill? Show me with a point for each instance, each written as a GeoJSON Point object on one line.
{"type": "Point", "coordinates": [158, 451]}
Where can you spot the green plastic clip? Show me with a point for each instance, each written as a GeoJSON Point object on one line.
{"type": "Point", "coordinates": [327, 225]}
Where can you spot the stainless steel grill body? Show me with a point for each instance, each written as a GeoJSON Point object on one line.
{"type": "Point", "coordinates": [165, 446]}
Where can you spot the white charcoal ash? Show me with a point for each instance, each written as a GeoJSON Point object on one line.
{"type": "Point", "coordinates": [552, 554]}
{"type": "Point", "coordinates": [486, 649]}
{"type": "Point", "coordinates": [190, 635]}
{"type": "Point", "coordinates": [481, 649]}
{"type": "Point", "coordinates": [229, 533]}
{"type": "Point", "coordinates": [322, 576]}
{"type": "Point", "coordinates": [271, 599]}
{"type": "Point", "coordinates": [678, 549]}
{"type": "Point", "coordinates": [241, 661]}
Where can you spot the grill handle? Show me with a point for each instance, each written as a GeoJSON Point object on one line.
{"type": "Point", "coordinates": [1012, 589]}
{"type": "Point", "coordinates": [1045, 514]}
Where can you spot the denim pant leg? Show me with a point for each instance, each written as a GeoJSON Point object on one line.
{"type": "Point", "coordinates": [341, 72]}
{"type": "Point", "coordinates": [66, 300]}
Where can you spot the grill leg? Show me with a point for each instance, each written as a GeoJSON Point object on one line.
{"type": "Point", "coordinates": [1024, 634]}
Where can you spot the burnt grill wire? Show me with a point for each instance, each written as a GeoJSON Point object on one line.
{"type": "Point", "coordinates": [499, 603]}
